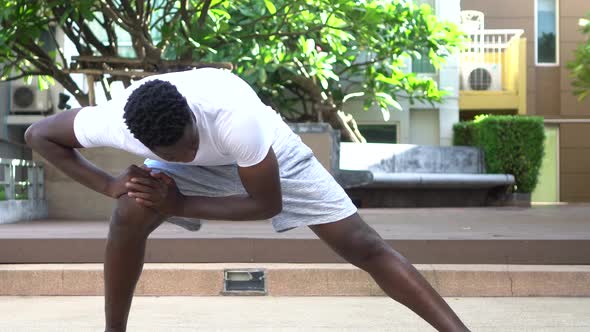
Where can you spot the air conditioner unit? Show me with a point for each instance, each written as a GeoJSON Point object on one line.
{"type": "Point", "coordinates": [481, 76]}
{"type": "Point", "coordinates": [28, 98]}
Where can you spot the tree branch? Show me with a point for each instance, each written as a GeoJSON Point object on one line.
{"type": "Point", "coordinates": [58, 13]}
{"type": "Point", "coordinates": [107, 25]}
{"type": "Point", "coordinates": [280, 9]}
{"type": "Point", "coordinates": [294, 89]}
{"type": "Point", "coordinates": [57, 46]}
{"type": "Point", "coordinates": [184, 28]}
{"type": "Point", "coordinates": [49, 68]}
{"type": "Point", "coordinates": [148, 14]}
{"type": "Point", "coordinates": [28, 73]}
{"type": "Point", "coordinates": [358, 64]}
{"type": "Point", "coordinates": [203, 16]}
{"type": "Point", "coordinates": [91, 37]}
{"type": "Point", "coordinates": [283, 34]}
{"type": "Point", "coordinates": [109, 9]}
{"type": "Point", "coordinates": [131, 14]}
{"type": "Point", "coordinates": [166, 11]}
{"type": "Point", "coordinates": [142, 42]}
{"type": "Point", "coordinates": [105, 88]}
{"type": "Point", "coordinates": [42, 58]}
{"type": "Point", "coordinates": [140, 10]}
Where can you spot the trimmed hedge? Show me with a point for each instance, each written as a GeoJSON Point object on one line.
{"type": "Point", "coordinates": [463, 133]}
{"type": "Point", "coordinates": [511, 145]}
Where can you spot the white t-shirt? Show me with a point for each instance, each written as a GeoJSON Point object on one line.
{"type": "Point", "coordinates": [234, 125]}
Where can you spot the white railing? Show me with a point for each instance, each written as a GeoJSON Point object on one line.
{"type": "Point", "coordinates": [489, 60]}
{"type": "Point", "coordinates": [494, 41]}
{"type": "Point", "coordinates": [22, 179]}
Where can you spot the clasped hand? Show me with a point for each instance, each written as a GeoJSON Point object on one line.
{"type": "Point", "coordinates": [154, 190]}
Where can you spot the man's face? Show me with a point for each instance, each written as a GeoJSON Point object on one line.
{"type": "Point", "coordinates": [185, 149]}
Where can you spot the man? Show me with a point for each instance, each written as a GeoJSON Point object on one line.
{"type": "Point", "coordinates": [215, 151]}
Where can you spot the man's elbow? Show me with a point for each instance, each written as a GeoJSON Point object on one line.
{"type": "Point", "coordinates": [273, 210]}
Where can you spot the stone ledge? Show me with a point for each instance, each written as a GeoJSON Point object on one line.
{"type": "Point", "coordinates": [12, 211]}
{"type": "Point", "coordinates": [300, 280]}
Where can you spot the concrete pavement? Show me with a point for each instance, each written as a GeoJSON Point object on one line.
{"type": "Point", "coordinates": [170, 314]}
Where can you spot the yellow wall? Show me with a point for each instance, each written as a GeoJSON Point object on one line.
{"type": "Point", "coordinates": [508, 59]}
{"type": "Point", "coordinates": [513, 94]}
{"type": "Point", "coordinates": [547, 189]}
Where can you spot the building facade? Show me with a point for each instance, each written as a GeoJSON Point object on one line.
{"type": "Point", "coordinates": [552, 33]}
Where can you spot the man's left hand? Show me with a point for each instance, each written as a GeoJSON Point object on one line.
{"type": "Point", "coordinates": [159, 192]}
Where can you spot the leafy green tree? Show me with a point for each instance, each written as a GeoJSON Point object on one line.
{"type": "Point", "coordinates": [580, 66]}
{"type": "Point", "coordinates": [304, 57]}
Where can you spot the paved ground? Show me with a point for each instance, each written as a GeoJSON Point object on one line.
{"type": "Point", "coordinates": [169, 314]}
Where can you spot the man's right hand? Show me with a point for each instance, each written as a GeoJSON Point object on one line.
{"type": "Point", "coordinates": [117, 186]}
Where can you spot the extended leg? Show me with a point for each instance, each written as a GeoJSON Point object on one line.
{"type": "Point", "coordinates": [360, 245]}
{"type": "Point", "coordinates": [130, 226]}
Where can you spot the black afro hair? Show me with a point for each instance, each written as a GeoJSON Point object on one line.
{"type": "Point", "coordinates": [156, 114]}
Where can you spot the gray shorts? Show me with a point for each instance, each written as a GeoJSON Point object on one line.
{"type": "Point", "coordinates": [311, 196]}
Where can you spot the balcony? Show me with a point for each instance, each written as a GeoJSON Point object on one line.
{"type": "Point", "coordinates": [493, 72]}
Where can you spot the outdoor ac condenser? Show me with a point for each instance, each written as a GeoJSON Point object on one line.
{"type": "Point", "coordinates": [481, 76]}
{"type": "Point", "coordinates": [28, 98]}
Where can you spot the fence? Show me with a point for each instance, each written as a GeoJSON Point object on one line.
{"type": "Point", "coordinates": [21, 180]}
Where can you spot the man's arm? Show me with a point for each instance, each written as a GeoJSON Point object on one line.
{"type": "Point", "coordinates": [261, 181]}
{"type": "Point", "coordinates": [264, 199]}
{"type": "Point", "coordinates": [54, 139]}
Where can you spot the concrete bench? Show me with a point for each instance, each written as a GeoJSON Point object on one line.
{"type": "Point", "coordinates": [368, 179]}
{"type": "Point", "coordinates": [399, 175]}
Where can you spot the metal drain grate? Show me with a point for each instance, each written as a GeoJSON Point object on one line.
{"type": "Point", "coordinates": [244, 282]}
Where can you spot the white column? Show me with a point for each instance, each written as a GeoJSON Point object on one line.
{"type": "Point", "coordinates": [449, 10]}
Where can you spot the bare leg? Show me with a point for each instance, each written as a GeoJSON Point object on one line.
{"type": "Point", "coordinates": [360, 245]}
{"type": "Point", "coordinates": [130, 226]}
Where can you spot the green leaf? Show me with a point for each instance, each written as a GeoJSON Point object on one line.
{"type": "Point", "coordinates": [385, 113]}
{"type": "Point", "coordinates": [352, 95]}
{"type": "Point", "coordinates": [388, 99]}
{"type": "Point", "coordinates": [270, 6]}
{"type": "Point", "coordinates": [307, 45]}
{"type": "Point", "coordinates": [42, 83]}
{"type": "Point", "coordinates": [262, 75]}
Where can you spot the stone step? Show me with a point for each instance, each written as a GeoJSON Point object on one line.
{"type": "Point", "coordinates": [298, 280]}
{"type": "Point", "coordinates": [542, 235]}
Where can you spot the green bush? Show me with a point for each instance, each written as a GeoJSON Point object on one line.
{"type": "Point", "coordinates": [463, 133]}
{"type": "Point", "coordinates": [2, 193]}
{"type": "Point", "coordinates": [511, 145]}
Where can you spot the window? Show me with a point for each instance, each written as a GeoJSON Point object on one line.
{"type": "Point", "coordinates": [423, 65]}
{"type": "Point", "coordinates": [386, 133]}
{"type": "Point", "coordinates": [547, 32]}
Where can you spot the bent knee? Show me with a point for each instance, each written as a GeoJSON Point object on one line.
{"type": "Point", "coordinates": [128, 214]}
